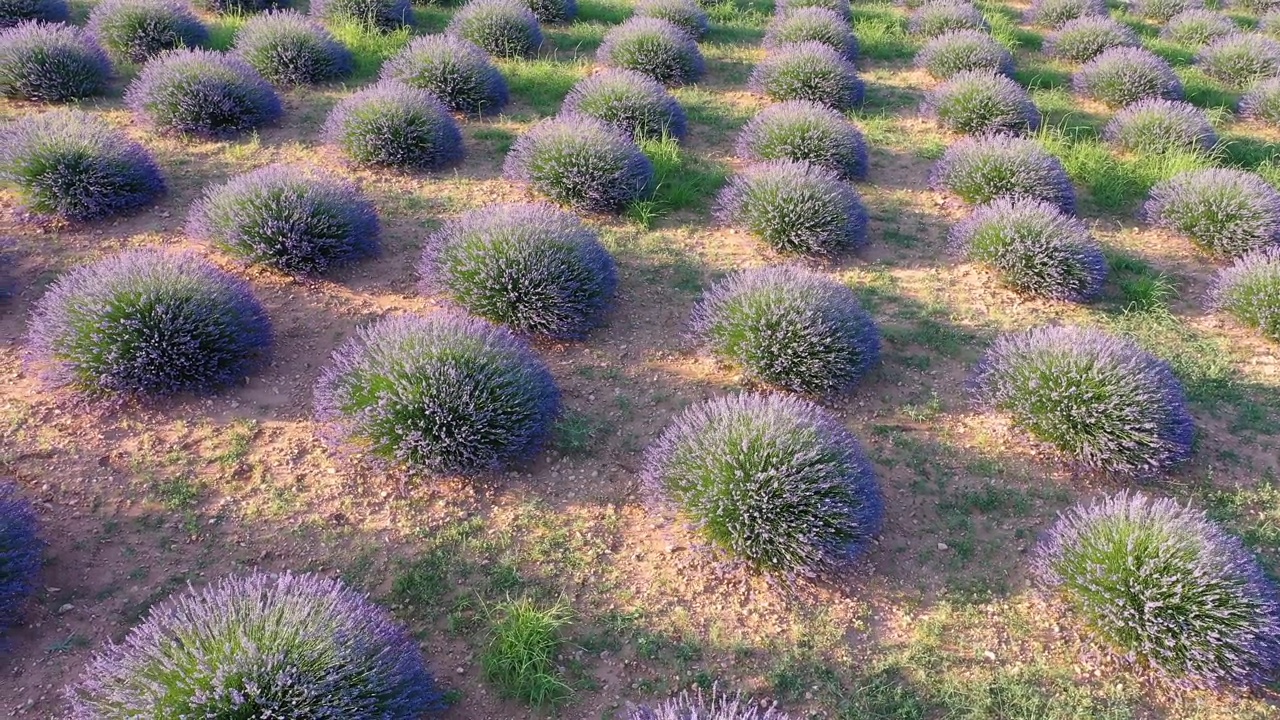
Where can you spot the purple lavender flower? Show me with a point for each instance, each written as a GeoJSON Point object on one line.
{"type": "Point", "coordinates": [554, 11]}
{"type": "Point", "coordinates": [774, 481]}
{"type": "Point", "coordinates": [654, 47]}
{"type": "Point", "coordinates": [1161, 11]}
{"type": "Point", "coordinates": [394, 125]}
{"type": "Point", "coordinates": [840, 7]}
{"type": "Point", "coordinates": [261, 646]}
{"type": "Point", "coordinates": [808, 71]}
{"type": "Point", "coordinates": [581, 162]}
{"type": "Point", "coordinates": [1240, 59]}
{"type": "Point", "coordinates": [1194, 28]}
{"type": "Point", "coordinates": [812, 24]}
{"type": "Point", "coordinates": [981, 169]}
{"type": "Point", "coordinates": [457, 72]}
{"type": "Point", "coordinates": [711, 706]}
{"type": "Point", "coordinates": [794, 207]}
{"type": "Point", "coordinates": [1056, 13]}
{"type": "Point", "coordinates": [1223, 211]}
{"type": "Point", "coordinates": [148, 323]}
{"type": "Point", "coordinates": [503, 28]}
{"type": "Point", "coordinates": [1123, 75]}
{"type": "Point", "coordinates": [289, 48]}
{"type": "Point", "coordinates": [72, 165]}
{"type": "Point", "coordinates": [1099, 399]}
{"type": "Point", "coordinates": [684, 14]}
{"type": "Point", "coordinates": [13, 12]}
{"type": "Point", "coordinates": [936, 18]}
{"type": "Point", "coordinates": [1249, 290]}
{"type": "Point", "coordinates": [637, 105]}
{"type": "Point", "coordinates": [1262, 102]}
{"type": "Point", "coordinates": [203, 93]}
{"type": "Point", "coordinates": [960, 51]}
{"type": "Point", "coordinates": [1160, 585]}
{"type": "Point", "coordinates": [1160, 126]}
{"type": "Point", "coordinates": [1084, 38]}
{"type": "Point", "coordinates": [979, 101]}
{"type": "Point", "coordinates": [805, 131]}
{"type": "Point", "coordinates": [438, 395]}
{"type": "Point", "coordinates": [51, 63]}
{"type": "Point", "coordinates": [534, 268]}
{"type": "Point", "coordinates": [384, 15]}
{"type": "Point", "coordinates": [137, 30]}
{"type": "Point", "coordinates": [20, 552]}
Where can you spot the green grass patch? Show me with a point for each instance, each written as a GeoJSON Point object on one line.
{"type": "Point", "coordinates": [882, 32]}
{"type": "Point", "coordinates": [682, 181]}
{"type": "Point", "coordinates": [520, 657]}
{"type": "Point", "coordinates": [608, 12]}
{"type": "Point", "coordinates": [369, 48]}
{"type": "Point", "coordinates": [541, 84]}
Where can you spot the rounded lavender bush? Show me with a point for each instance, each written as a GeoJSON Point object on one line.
{"type": "Point", "coordinates": [1034, 247]}
{"type": "Point", "coordinates": [981, 169]}
{"type": "Point", "coordinates": [943, 16]}
{"type": "Point", "coordinates": [438, 395]}
{"type": "Point", "coordinates": [772, 480]}
{"type": "Point", "coordinates": [137, 30]}
{"type": "Point", "coordinates": [979, 101]}
{"type": "Point", "coordinates": [260, 646]}
{"type": "Point", "coordinates": [20, 552]}
{"type": "Point", "coordinates": [812, 24]}
{"type": "Point", "coordinates": [382, 15]}
{"type": "Point", "coordinates": [684, 14]}
{"type": "Point", "coordinates": [51, 63]}
{"type": "Point", "coordinates": [712, 706]}
{"type": "Point", "coordinates": [394, 125]}
{"type": "Point", "coordinates": [1249, 290]}
{"type": "Point", "coordinates": [13, 12]}
{"type": "Point", "coordinates": [554, 11]}
{"type": "Point", "coordinates": [290, 48]}
{"type": "Point", "coordinates": [1161, 11]}
{"type": "Point", "coordinates": [1241, 59]}
{"type": "Point", "coordinates": [203, 93]}
{"type": "Point", "coordinates": [1056, 13]}
{"type": "Point", "coordinates": [1223, 211]}
{"type": "Point", "coordinates": [796, 208]}
{"type": "Point", "coordinates": [1084, 38]}
{"type": "Point", "coordinates": [503, 28]}
{"type": "Point", "coordinates": [1161, 126]}
{"type": "Point", "coordinates": [808, 71]}
{"type": "Point", "coordinates": [1099, 399]}
{"type": "Point", "coordinates": [839, 7]}
{"type": "Point", "coordinates": [636, 104]}
{"type": "Point", "coordinates": [456, 71]}
{"type": "Point", "coordinates": [1262, 102]}
{"type": "Point", "coordinates": [789, 328]}
{"type": "Point", "coordinates": [74, 166]}
{"type": "Point", "coordinates": [581, 162]}
{"type": "Point", "coordinates": [805, 131]}
{"type": "Point", "coordinates": [1194, 28]}
{"type": "Point", "coordinates": [288, 218]}
{"type": "Point", "coordinates": [1124, 75]}
{"type": "Point", "coordinates": [148, 323]}
{"type": "Point", "coordinates": [960, 51]}
{"type": "Point", "coordinates": [534, 268]}
{"type": "Point", "coordinates": [654, 47]}
{"type": "Point", "coordinates": [1159, 584]}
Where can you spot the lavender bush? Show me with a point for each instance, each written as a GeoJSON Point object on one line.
{"type": "Point", "coordinates": [979, 101]}
{"type": "Point", "coordinates": [772, 480]}
{"type": "Point", "coordinates": [1262, 102]}
{"type": "Point", "coordinates": [711, 706]}
{"type": "Point", "coordinates": [20, 552]}
{"type": "Point", "coordinates": [1161, 11]}
{"type": "Point", "coordinates": [394, 125]}
{"type": "Point", "coordinates": [1160, 585]}
{"type": "Point", "coordinates": [13, 12]}
{"type": "Point", "coordinates": [1223, 211]}
{"type": "Point", "coordinates": [1099, 399]}
{"type": "Point", "coordinates": [554, 11]}
{"type": "Point", "coordinates": [147, 323]}
{"type": "Point", "coordinates": [805, 131]}
{"type": "Point", "coordinates": [72, 165]}
{"type": "Point", "coordinates": [1034, 247]}
{"type": "Point", "coordinates": [261, 646]}
{"type": "Point", "coordinates": [1084, 38]}
{"type": "Point", "coordinates": [137, 30]}
{"type": "Point", "coordinates": [438, 395]}
{"type": "Point", "coordinates": [290, 48]}
{"type": "Point", "coordinates": [789, 328]}
{"type": "Point", "coordinates": [534, 268]}
{"type": "Point", "coordinates": [943, 16]}
{"type": "Point", "coordinates": [1269, 24]}
{"type": "Point", "coordinates": [382, 15]}
{"type": "Point", "coordinates": [1124, 75]}
{"type": "Point", "coordinates": [581, 162]}
{"type": "Point", "coordinates": [1255, 7]}
{"type": "Point", "coordinates": [1161, 126]}
{"type": "Point", "coordinates": [808, 71]}
{"type": "Point", "coordinates": [812, 24]}
{"type": "Point", "coordinates": [654, 47]}
{"type": "Point", "coordinates": [51, 63]}
{"type": "Point", "coordinates": [1241, 59]}
{"type": "Point", "coordinates": [456, 71]}
{"type": "Point", "coordinates": [503, 28]}
{"type": "Point", "coordinates": [839, 7]}
{"type": "Point", "coordinates": [1056, 13]}
{"type": "Point", "coordinates": [981, 169]}
{"type": "Point", "coordinates": [964, 51]}
{"type": "Point", "coordinates": [289, 218]}
{"type": "Point", "coordinates": [684, 14]}
{"type": "Point", "coordinates": [637, 105]}
{"type": "Point", "coordinates": [794, 207]}
{"type": "Point", "coordinates": [203, 93]}
{"type": "Point", "coordinates": [1194, 28]}
{"type": "Point", "coordinates": [1249, 290]}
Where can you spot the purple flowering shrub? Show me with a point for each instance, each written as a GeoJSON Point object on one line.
{"type": "Point", "coordinates": [943, 16]}
{"type": "Point", "coordinates": [1194, 28]}
{"type": "Point", "coordinates": [1249, 290]}
{"type": "Point", "coordinates": [73, 165]}
{"type": "Point", "coordinates": [774, 481]}
{"type": "Point", "coordinates": [1262, 102]}
{"type": "Point", "coordinates": [13, 12]}
{"type": "Point", "coordinates": [959, 51]}
{"type": "Point", "coordinates": [51, 63]}
{"type": "Point", "coordinates": [1223, 211]}
{"type": "Point", "coordinates": [295, 220]}
{"type": "Point", "coordinates": [534, 268]}
{"type": "Point", "coordinates": [382, 15]}
{"type": "Point", "coordinates": [1123, 75]}
{"type": "Point", "coordinates": [711, 706]}
{"type": "Point", "coordinates": [438, 395]}
{"type": "Point", "coordinates": [289, 48]}
{"type": "Point", "coordinates": [654, 47]}
{"type": "Point", "coordinates": [790, 328]}
{"type": "Point", "coordinates": [1161, 585]}
{"type": "Point", "coordinates": [979, 101]}
{"type": "Point", "coordinates": [805, 131]}
{"type": "Point", "coordinates": [808, 71]}
{"type": "Point", "coordinates": [797, 208]}
{"type": "Point", "coordinates": [502, 28]}
{"type": "Point", "coordinates": [457, 72]}
{"type": "Point", "coordinates": [137, 30]}
{"type": "Point", "coordinates": [1099, 399]}
{"type": "Point", "coordinates": [1161, 126]}
{"type": "Point", "coordinates": [20, 552]}
{"type": "Point", "coordinates": [581, 162]}
{"type": "Point", "coordinates": [1084, 38]}
{"type": "Point", "coordinates": [1269, 23]}
{"type": "Point", "coordinates": [261, 646]}
{"type": "Point", "coordinates": [1161, 11]}
{"type": "Point", "coordinates": [1034, 247]}
{"type": "Point", "coordinates": [684, 14]}
{"type": "Point", "coordinates": [1255, 7]}
{"type": "Point", "coordinates": [554, 11]}
{"type": "Point", "coordinates": [1241, 59]}
{"type": "Point", "coordinates": [1056, 13]}
{"type": "Point", "coordinates": [394, 125]}
{"type": "Point", "coordinates": [149, 323]}
{"type": "Point", "coordinates": [839, 7]}
{"type": "Point", "coordinates": [634, 103]}
{"type": "Point", "coordinates": [813, 24]}
{"type": "Point", "coordinates": [981, 169]}
{"type": "Point", "coordinates": [203, 93]}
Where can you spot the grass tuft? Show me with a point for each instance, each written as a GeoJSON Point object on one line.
{"type": "Point", "coordinates": [524, 640]}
